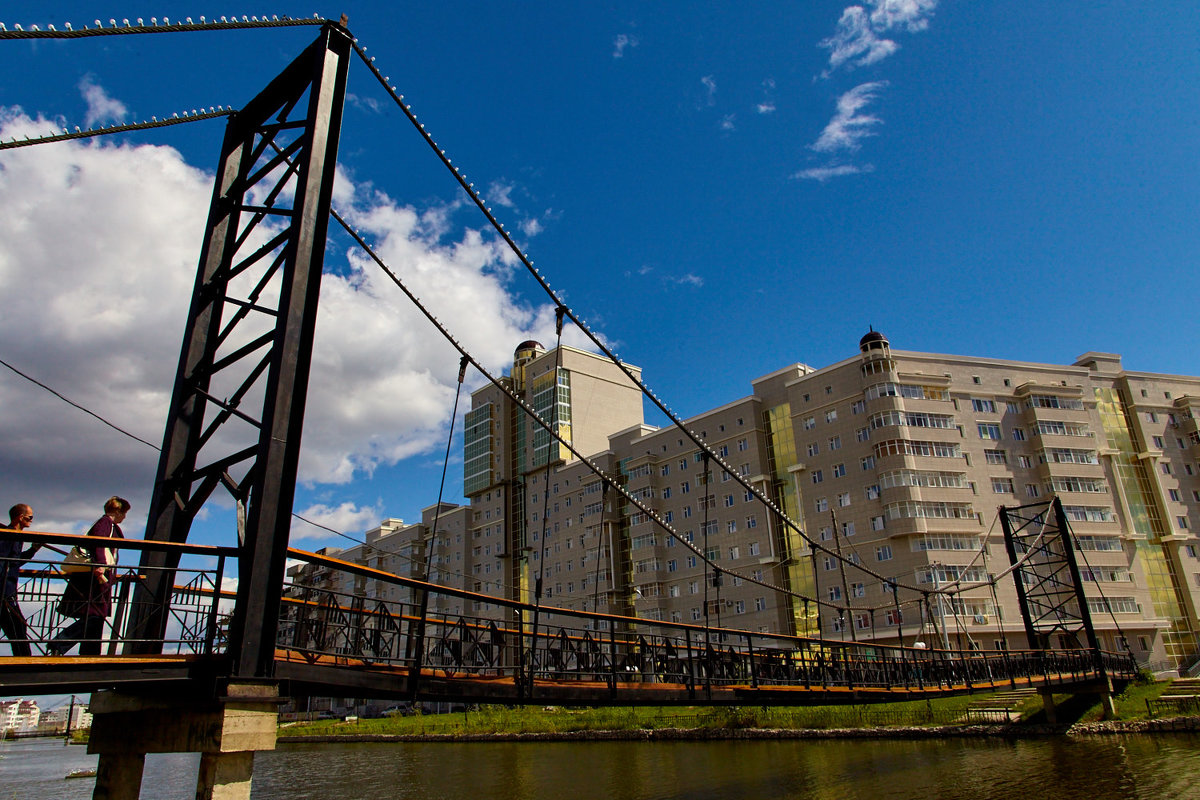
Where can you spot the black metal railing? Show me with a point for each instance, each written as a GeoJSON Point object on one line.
{"type": "Point", "coordinates": [53, 595]}
{"type": "Point", "coordinates": [326, 617]}
{"type": "Point", "coordinates": [350, 617]}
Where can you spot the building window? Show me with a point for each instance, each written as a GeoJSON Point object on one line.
{"type": "Point", "coordinates": [839, 470]}
{"type": "Point", "coordinates": [810, 423]}
{"type": "Point", "coordinates": [1031, 490]}
{"type": "Point", "coordinates": [1158, 442]}
{"type": "Point", "coordinates": [1174, 493]}
{"type": "Point", "coordinates": [858, 407]}
{"type": "Point", "coordinates": [1182, 522]}
{"type": "Point", "coordinates": [873, 492]}
{"type": "Point", "coordinates": [817, 476]}
{"type": "Point", "coordinates": [989, 430]}
{"type": "Point", "coordinates": [835, 443]}
{"type": "Point", "coordinates": [977, 404]}
{"type": "Point", "coordinates": [751, 521]}
{"type": "Point", "coordinates": [831, 415]}
{"type": "Point", "coordinates": [862, 435]}
{"type": "Point", "coordinates": [883, 552]}
{"type": "Point", "coordinates": [813, 449]}
{"type": "Point", "coordinates": [995, 456]}
{"type": "Point", "coordinates": [877, 524]}
{"type": "Point", "coordinates": [1018, 434]}
{"type": "Point", "coordinates": [1002, 486]}
{"type": "Point", "coordinates": [822, 504]}
{"type": "Point", "coordinates": [835, 593]}
{"type": "Point", "coordinates": [844, 499]}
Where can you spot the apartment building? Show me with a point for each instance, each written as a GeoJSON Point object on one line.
{"type": "Point", "coordinates": [896, 460]}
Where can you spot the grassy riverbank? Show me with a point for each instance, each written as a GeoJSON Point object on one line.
{"type": "Point", "coordinates": [504, 720]}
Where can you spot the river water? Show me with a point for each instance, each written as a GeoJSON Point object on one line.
{"type": "Point", "coordinates": [1158, 767]}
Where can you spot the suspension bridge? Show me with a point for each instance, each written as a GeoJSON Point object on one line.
{"type": "Point", "coordinates": [186, 665]}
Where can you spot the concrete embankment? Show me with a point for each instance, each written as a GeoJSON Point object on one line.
{"type": "Point", "coordinates": [1171, 725]}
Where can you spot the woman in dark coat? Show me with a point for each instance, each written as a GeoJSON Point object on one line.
{"type": "Point", "coordinates": [88, 596]}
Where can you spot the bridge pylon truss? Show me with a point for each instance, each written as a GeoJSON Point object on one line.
{"type": "Point", "coordinates": [237, 409]}
{"type": "Point", "coordinates": [1041, 549]}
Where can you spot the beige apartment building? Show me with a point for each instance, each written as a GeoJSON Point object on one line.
{"type": "Point", "coordinates": [896, 460]}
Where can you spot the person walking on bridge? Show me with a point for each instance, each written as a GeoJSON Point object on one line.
{"type": "Point", "coordinates": [12, 621]}
{"type": "Point", "coordinates": [88, 596]}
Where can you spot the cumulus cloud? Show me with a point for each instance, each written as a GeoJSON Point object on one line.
{"type": "Point", "coordinates": [623, 42]}
{"type": "Point", "coordinates": [345, 518]}
{"type": "Point", "coordinates": [822, 174]}
{"type": "Point", "coordinates": [859, 39]}
{"type": "Point", "coordinates": [100, 107]}
{"type": "Point", "coordinates": [98, 251]}
{"type": "Point", "coordinates": [849, 124]}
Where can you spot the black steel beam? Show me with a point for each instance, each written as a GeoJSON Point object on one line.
{"type": "Point", "coordinates": [303, 103]}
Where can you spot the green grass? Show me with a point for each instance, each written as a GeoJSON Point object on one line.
{"type": "Point", "coordinates": [534, 719]}
{"type": "Point", "coordinates": [497, 719]}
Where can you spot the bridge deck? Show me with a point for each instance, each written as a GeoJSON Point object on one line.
{"type": "Point", "coordinates": [307, 674]}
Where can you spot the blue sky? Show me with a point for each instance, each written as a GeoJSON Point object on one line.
{"type": "Point", "coordinates": [719, 189]}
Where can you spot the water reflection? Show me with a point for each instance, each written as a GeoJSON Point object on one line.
{"type": "Point", "coordinates": [1098, 768]}
{"type": "Point", "coordinates": [1069, 769]}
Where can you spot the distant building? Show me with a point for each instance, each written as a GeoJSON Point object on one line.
{"type": "Point", "coordinates": [19, 716]}
{"type": "Point", "coordinates": [899, 460]}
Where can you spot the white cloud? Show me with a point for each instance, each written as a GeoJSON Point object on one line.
{"type": "Point", "coordinates": [531, 226]}
{"type": "Point", "coordinates": [710, 90]}
{"type": "Point", "coordinates": [370, 104]}
{"type": "Point", "coordinates": [727, 122]}
{"type": "Point", "coordinates": [345, 518]}
{"type": "Point", "coordinates": [500, 194]}
{"type": "Point", "coordinates": [822, 174]}
{"type": "Point", "coordinates": [767, 106]}
{"type": "Point", "coordinates": [848, 125]}
{"type": "Point", "coordinates": [913, 15]}
{"type": "Point", "coordinates": [859, 38]}
{"type": "Point", "coordinates": [101, 107]}
{"type": "Point", "coordinates": [621, 43]}
{"type": "Point", "coordinates": [98, 252]}
{"type": "Point", "coordinates": [687, 279]}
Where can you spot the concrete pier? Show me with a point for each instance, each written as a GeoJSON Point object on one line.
{"type": "Point", "coordinates": [226, 730]}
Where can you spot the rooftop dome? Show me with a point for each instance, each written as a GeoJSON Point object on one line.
{"type": "Point", "coordinates": [872, 340]}
{"type": "Point", "coordinates": [529, 344]}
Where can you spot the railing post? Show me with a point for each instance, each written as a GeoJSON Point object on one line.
{"type": "Point", "coordinates": [519, 676]}
{"type": "Point", "coordinates": [210, 632]}
{"type": "Point", "coordinates": [119, 617]}
{"type": "Point", "coordinates": [418, 641]}
{"type": "Point", "coordinates": [687, 634]}
{"type": "Point", "coordinates": [612, 661]}
{"type": "Point", "coordinates": [750, 656]}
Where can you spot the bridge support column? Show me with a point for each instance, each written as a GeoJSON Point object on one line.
{"type": "Point", "coordinates": [1048, 705]}
{"type": "Point", "coordinates": [1108, 703]}
{"type": "Point", "coordinates": [226, 730]}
